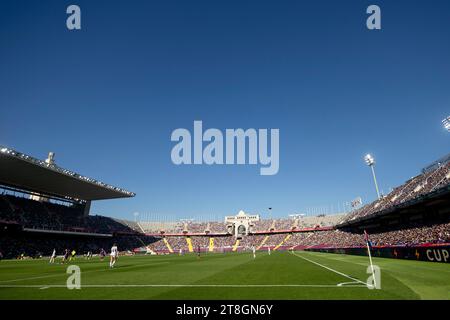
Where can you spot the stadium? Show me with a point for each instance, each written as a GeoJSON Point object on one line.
{"type": "Point", "coordinates": [224, 158]}
{"type": "Point", "coordinates": [46, 208]}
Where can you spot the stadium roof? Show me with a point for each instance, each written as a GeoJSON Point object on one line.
{"type": "Point", "coordinates": [22, 171]}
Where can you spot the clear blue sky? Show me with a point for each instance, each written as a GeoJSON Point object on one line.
{"type": "Point", "coordinates": [107, 98]}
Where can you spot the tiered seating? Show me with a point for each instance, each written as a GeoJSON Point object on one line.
{"type": "Point", "coordinates": [217, 227]}
{"type": "Point", "coordinates": [414, 188]}
{"type": "Point", "coordinates": [439, 233]}
{"type": "Point", "coordinates": [410, 235]}
{"type": "Point", "coordinates": [12, 246]}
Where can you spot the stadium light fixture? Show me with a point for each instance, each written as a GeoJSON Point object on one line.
{"type": "Point", "coordinates": [370, 161]}
{"type": "Point", "coordinates": [446, 123]}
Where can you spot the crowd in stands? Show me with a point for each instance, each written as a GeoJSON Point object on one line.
{"type": "Point", "coordinates": [438, 233]}
{"type": "Point", "coordinates": [158, 226]}
{"type": "Point", "coordinates": [249, 241]}
{"type": "Point", "coordinates": [158, 246]}
{"type": "Point", "coordinates": [217, 227]}
{"type": "Point", "coordinates": [18, 244]}
{"type": "Point", "coordinates": [416, 187]}
{"type": "Point", "coordinates": [34, 214]}
{"type": "Point", "coordinates": [264, 225]}
{"type": "Point", "coordinates": [178, 242]}
{"type": "Point", "coordinates": [224, 242]}
{"type": "Point", "coordinates": [202, 242]}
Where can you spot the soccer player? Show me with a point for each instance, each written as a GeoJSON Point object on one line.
{"type": "Point", "coordinates": [102, 254]}
{"type": "Point", "coordinates": [198, 252]}
{"type": "Point", "coordinates": [73, 255]}
{"type": "Point", "coordinates": [268, 250]}
{"type": "Point", "coordinates": [114, 254]}
{"type": "Point", "coordinates": [52, 258]}
{"type": "Point", "coordinates": [65, 256]}
{"type": "Point", "coordinates": [254, 252]}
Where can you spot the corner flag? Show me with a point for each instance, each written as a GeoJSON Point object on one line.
{"type": "Point", "coordinates": [369, 246]}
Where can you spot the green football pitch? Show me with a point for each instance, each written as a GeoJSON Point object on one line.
{"type": "Point", "coordinates": [281, 275]}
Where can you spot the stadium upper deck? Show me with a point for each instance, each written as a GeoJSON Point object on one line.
{"type": "Point", "coordinates": [432, 184]}
{"type": "Point", "coordinates": [262, 226]}
{"type": "Point", "coordinates": [27, 173]}
{"type": "Point", "coordinates": [43, 178]}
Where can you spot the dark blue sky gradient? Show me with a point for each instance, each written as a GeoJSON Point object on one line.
{"type": "Point", "coordinates": [107, 98]}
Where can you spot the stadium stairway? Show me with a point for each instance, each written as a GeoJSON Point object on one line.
{"type": "Point", "coordinates": [189, 243]}
{"type": "Point", "coordinates": [262, 242]}
{"type": "Point", "coordinates": [168, 245]}
{"type": "Point", "coordinates": [211, 244]}
{"type": "Point", "coordinates": [235, 246]}
{"type": "Point", "coordinates": [281, 243]}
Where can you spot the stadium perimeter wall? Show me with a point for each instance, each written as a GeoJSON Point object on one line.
{"type": "Point", "coordinates": [432, 253]}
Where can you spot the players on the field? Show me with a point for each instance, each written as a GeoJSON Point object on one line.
{"type": "Point", "coordinates": [52, 258]}
{"type": "Point", "coordinates": [254, 252]}
{"type": "Point", "coordinates": [102, 254]}
{"type": "Point", "coordinates": [113, 256]}
{"type": "Point", "coordinates": [65, 256]}
{"type": "Point", "coordinates": [198, 251]}
{"type": "Point", "coordinates": [72, 255]}
{"type": "Point", "coordinates": [268, 250]}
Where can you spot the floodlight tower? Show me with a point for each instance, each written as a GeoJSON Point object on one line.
{"type": "Point", "coordinates": [370, 161]}
{"type": "Point", "coordinates": [446, 123]}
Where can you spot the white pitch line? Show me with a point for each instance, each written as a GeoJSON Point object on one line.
{"type": "Point", "coordinates": [40, 286]}
{"type": "Point", "coordinates": [85, 272]}
{"type": "Point", "coordinates": [330, 269]}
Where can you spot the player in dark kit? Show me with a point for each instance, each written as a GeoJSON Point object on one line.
{"type": "Point", "coordinates": [65, 256]}
{"type": "Point", "coordinates": [102, 254]}
{"type": "Point", "coordinates": [198, 251]}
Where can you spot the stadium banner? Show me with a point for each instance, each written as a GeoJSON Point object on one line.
{"type": "Point", "coordinates": [431, 253]}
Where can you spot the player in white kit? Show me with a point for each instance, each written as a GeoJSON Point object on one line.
{"type": "Point", "coordinates": [113, 256]}
{"type": "Point", "coordinates": [254, 252]}
{"type": "Point", "coordinates": [52, 258]}
{"type": "Point", "coordinates": [268, 250]}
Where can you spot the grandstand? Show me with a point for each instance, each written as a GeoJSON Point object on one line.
{"type": "Point", "coordinates": [45, 207]}
{"type": "Point", "coordinates": [415, 213]}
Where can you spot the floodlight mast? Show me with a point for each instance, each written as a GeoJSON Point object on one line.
{"type": "Point", "coordinates": [370, 161]}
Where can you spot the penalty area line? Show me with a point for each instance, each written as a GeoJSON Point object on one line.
{"type": "Point", "coordinates": [335, 271]}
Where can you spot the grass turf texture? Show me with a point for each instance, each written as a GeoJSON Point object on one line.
{"type": "Point", "coordinates": [282, 275]}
